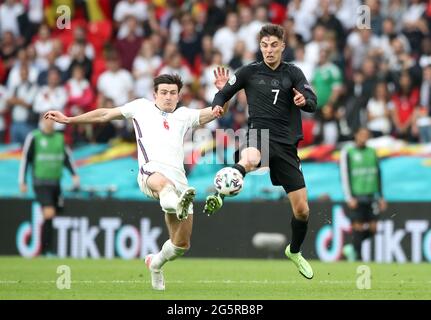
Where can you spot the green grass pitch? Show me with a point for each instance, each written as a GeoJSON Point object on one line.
{"type": "Point", "coordinates": [212, 279]}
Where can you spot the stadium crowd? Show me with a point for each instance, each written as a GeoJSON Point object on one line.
{"type": "Point", "coordinates": [372, 71]}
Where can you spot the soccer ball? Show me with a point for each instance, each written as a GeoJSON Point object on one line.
{"type": "Point", "coordinates": [228, 181]}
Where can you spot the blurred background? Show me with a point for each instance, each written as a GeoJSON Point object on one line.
{"type": "Point", "coordinates": [369, 63]}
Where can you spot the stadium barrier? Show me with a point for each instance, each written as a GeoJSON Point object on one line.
{"type": "Point", "coordinates": [131, 229]}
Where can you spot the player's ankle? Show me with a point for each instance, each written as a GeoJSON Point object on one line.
{"type": "Point", "coordinates": [240, 168]}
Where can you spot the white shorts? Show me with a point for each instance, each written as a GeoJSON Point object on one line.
{"type": "Point", "coordinates": [176, 176]}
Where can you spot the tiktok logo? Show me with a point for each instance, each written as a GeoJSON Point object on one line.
{"type": "Point", "coordinates": [28, 236]}
{"type": "Point", "coordinates": [330, 239]}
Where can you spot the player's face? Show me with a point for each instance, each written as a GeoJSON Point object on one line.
{"type": "Point", "coordinates": [167, 97]}
{"type": "Point", "coordinates": [272, 49]}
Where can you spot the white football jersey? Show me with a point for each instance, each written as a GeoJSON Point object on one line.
{"type": "Point", "coordinates": [159, 134]}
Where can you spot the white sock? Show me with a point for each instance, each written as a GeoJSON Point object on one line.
{"type": "Point", "coordinates": [169, 199]}
{"type": "Point", "coordinates": [169, 252]}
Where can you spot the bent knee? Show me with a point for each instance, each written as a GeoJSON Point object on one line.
{"type": "Point", "coordinates": [250, 158]}
{"type": "Point", "coordinates": [301, 211]}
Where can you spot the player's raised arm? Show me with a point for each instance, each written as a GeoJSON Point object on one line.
{"type": "Point", "coordinates": [233, 85]}
{"type": "Point", "coordinates": [95, 116]}
{"type": "Point", "coordinates": [206, 115]}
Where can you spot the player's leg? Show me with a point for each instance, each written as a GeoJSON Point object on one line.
{"type": "Point", "coordinates": [357, 237]}
{"type": "Point", "coordinates": [299, 225]}
{"type": "Point", "coordinates": [364, 225]}
{"type": "Point", "coordinates": [249, 161]}
{"type": "Point", "coordinates": [177, 244]}
{"type": "Point", "coordinates": [45, 195]}
{"type": "Point", "coordinates": [285, 170]}
{"type": "Point", "coordinates": [47, 229]}
{"type": "Point", "coordinates": [170, 201]}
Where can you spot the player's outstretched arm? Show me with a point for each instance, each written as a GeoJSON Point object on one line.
{"type": "Point", "coordinates": [95, 116]}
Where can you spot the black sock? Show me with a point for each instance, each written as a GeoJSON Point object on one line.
{"type": "Point", "coordinates": [299, 230]}
{"type": "Point", "coordinates": [47, 236]}
{"type": "Point", "coordinates": [357, 243]}
{"type": "Point", "coordinates": [240, 168]}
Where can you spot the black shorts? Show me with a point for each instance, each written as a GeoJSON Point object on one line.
{"type": "Point", "coordinates": [366, 211]}
{"type": "Point", "coordinates": [282, 160]}
{"type": "Point", "coordinates": [49, 196]}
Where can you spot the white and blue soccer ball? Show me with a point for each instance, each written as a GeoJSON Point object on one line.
{"type": "Point", "coordinates": [228, 181]}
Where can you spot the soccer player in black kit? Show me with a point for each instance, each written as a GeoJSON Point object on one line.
{"type": "Point", "coordinates": [276, 92]}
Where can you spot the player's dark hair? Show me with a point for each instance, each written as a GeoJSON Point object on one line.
{"type": "Point", "coordinates": [271, 30]}
{"type": "Point", "coordinates": [168, 79]}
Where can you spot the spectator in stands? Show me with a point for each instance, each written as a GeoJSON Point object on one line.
{"type": "Point", "coordinates": [126, 8]}
{"type": "Point", "coordinates": [53, 95]}
{"type": "Point", "coordinates": [80, 100]}
{"type": "Point", "coordinates": [345, 10]}
{"type": "Point", "coordinates": [80, 35]}
{"type": "Point", "coordinates": [352, 105]}
{"type": "Point", "coordinates": [306, 66]}
{"type": "Point", "coordinates": [43, 44]}
{"type": "Point", "coordinates": [190, 41]}
{"type": "Point", "coordinates": [115, 83]}
{"type": "Point", "coordinates": [20, 102]}
{"type": "Point", "coordinates": [376, 18]}
{"type": "Point", "coordinates": [79, 58]}
{"type": "Point", "coordinates": [360, 45]}
{"type": "Point", "coordinates": [378, 113]}
{"type": "Point", "coordinates": [414, 26]}
{"type": "Point", "coordinates": [30, 21]}
{"type": "Point", "coordinates": [423, 117]}
{"type": "Point", "coordinates": [8, 48]}
{"type": "Point", "coordinates": [226, 37]}
{"type": "Point", "coordinates": [128, 47]}
{"type": "Point", "coordinates": [362, 186]}
{"type": "Point", "coordinates": [207, 50]}
{"type": "Point", "coordinates": [327, 19]}
{"type": "Point", "coordinates": [213, 19]}
{"type": "Point", "coordinates": [176, 66]}
{"type": "Point", "coordinates": [327, 130]}
{"type": "Point", "coordinates": [51, 61]}
{"type": "Point", "coordinates": [3, 110]}
{"type": "Point", "coordinates": [10, 10]}
{"type": "Point", "coordinates": [14, 76]}
{"type": "Point", "coordinates": [144, 68]}
{"type": "Point", "coordinates": [240, 51]}
{"type": "Point", "coordinates": [312, 48]}
{"type": "Point", "coordinates": [304, 18]}
{"type": "Point", "coordinates": [208, 88]}
{"type": "Point", "coordinates": [46, 152]}
{"type": "Point", "coordinates": [405, 102]}
{"type": "Point", "coordinates": [327, 80]}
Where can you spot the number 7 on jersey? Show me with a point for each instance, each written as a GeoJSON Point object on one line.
{"type": "Point", "coordinates": [277, 91]}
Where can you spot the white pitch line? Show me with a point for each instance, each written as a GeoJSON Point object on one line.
{"type": "Point", "coordinates": [269, 282]}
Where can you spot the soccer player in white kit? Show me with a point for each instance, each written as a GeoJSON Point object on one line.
{"type": "Point", "coordinates": [160, 126]}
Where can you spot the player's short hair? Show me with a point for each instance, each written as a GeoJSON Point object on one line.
{"type": "Point", "coordinates": [271, 30]}
{"type": "Point", "coordinates": [168, 79]}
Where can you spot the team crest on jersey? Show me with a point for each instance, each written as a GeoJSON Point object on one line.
{"type": "Point", "coordinates": [232, 80]}
{"type": "Point", "coordinates": [164, 114]}
{"type": "Point", "coordinates": [275, 82]}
